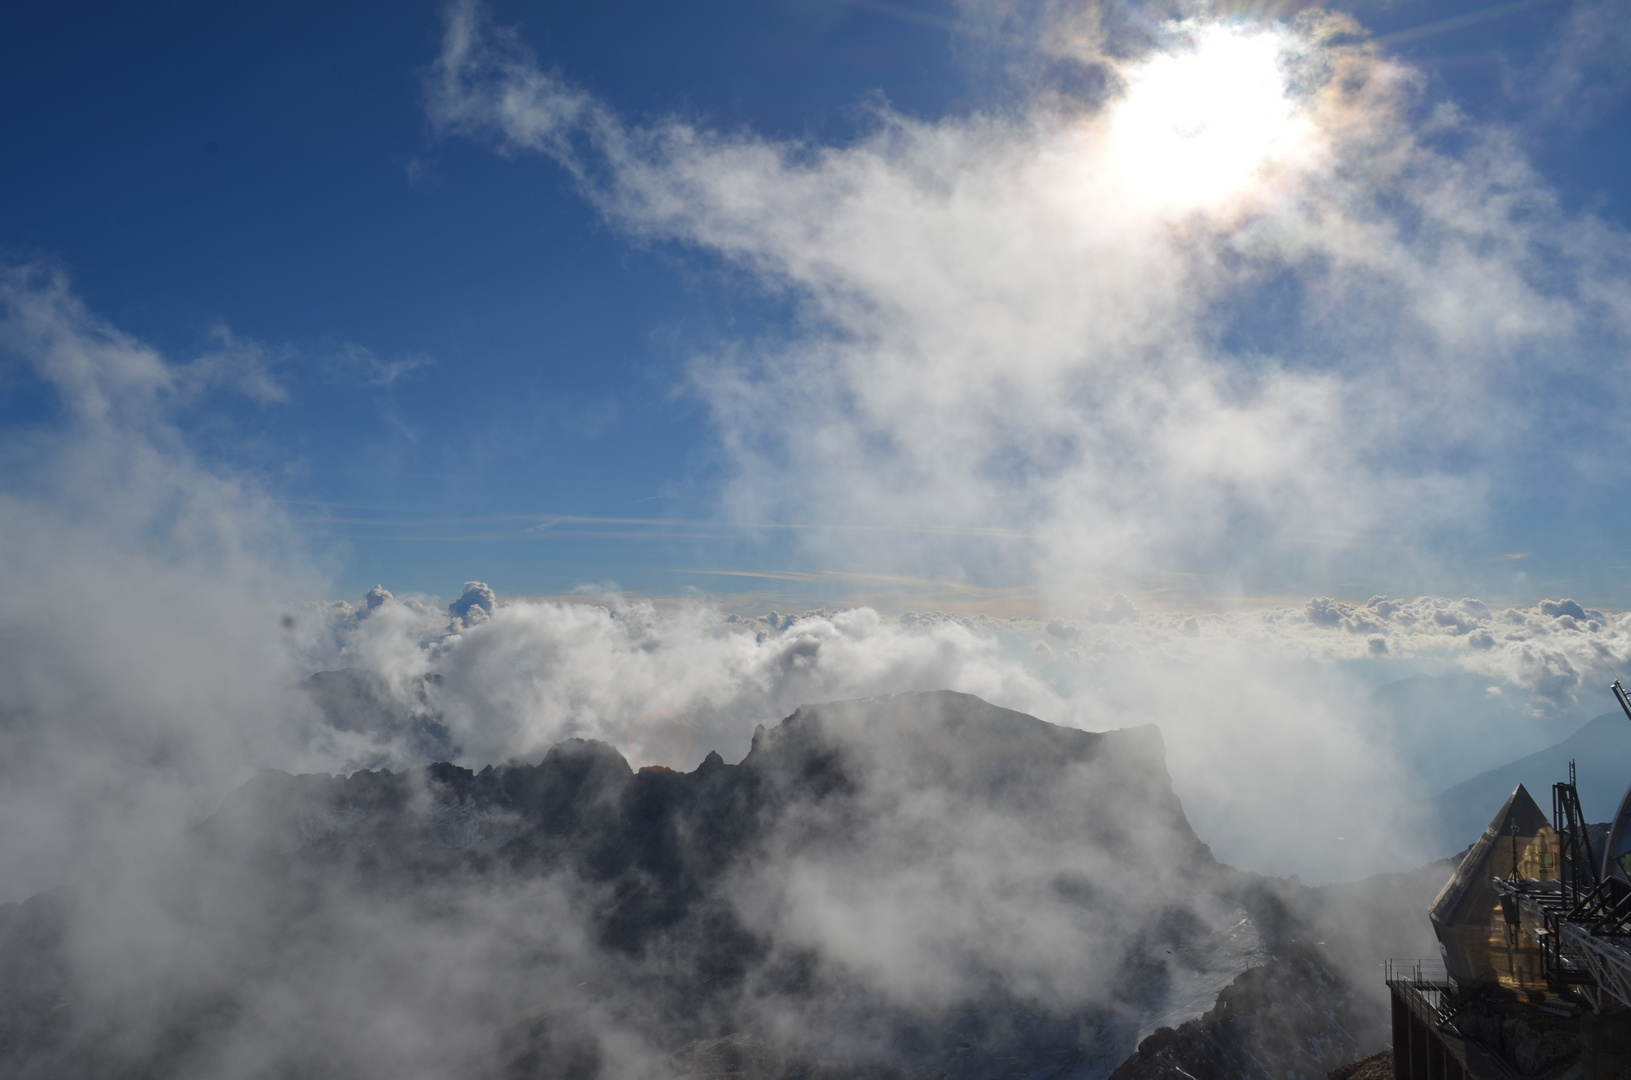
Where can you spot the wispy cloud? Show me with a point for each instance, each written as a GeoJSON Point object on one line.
{"type": "Point", "coordinates": [738, 526]}
{"type": "Point", "coordinates": [907, 14]}
{"type": "Point", "coordinates": [1581, 76]}
{"type": "Point", "coordinates": [358, 362]}
{"type": "Point", "coordinates": [1462, 21]}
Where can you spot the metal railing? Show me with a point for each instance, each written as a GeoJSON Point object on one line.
{"type": "Point", "coordinates": [1428, 993]}
{"type": "Point", "coordinates": [1425, 987]}
{"type": "Point", "coordinates": [1416, 969]}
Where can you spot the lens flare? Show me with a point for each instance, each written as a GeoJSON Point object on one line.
{"type": "Point", "coordinates": [1200, 124]}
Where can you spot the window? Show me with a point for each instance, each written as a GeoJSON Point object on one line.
{"type": "Point", "coordinates": [1548, 860]}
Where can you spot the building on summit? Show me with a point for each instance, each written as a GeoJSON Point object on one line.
{"type": "Point", "coordinates": [1534, 928]}
{"type": "Point", "coordinates": [1479, 944]}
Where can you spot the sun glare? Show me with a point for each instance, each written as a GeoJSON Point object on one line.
{"type": "Point", "coordinates": [1198, 125]}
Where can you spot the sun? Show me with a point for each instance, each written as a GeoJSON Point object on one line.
{"type": "Point", "coordinates": [1201, 124]}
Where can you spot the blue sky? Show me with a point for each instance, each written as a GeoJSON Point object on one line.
{"type": "Point", "coordinates": [469, 344]}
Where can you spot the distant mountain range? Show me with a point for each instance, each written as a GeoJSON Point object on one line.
{"type": "Point", "coordinates": [1450, 727]}
{"type": "Point", "coordinates": [1601, 751]}
{"type": "Point", "coordinates": [922, 886]}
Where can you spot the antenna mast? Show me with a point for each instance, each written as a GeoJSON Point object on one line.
{"type": "Point", "coordinates": [1622, 698]}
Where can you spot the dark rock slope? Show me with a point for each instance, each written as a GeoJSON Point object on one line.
{"type": "Point", "coordinates": [1293, 1016]}
{"type": "Point", "coordinates": [923, 886]}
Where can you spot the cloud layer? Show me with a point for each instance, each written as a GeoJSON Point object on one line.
{"type": "Point", "coordinates": [1329, 704]}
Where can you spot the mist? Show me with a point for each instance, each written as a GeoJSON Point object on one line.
{"type": "Point", "coordinates": [178, 660]}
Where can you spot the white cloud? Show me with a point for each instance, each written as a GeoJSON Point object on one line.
{"type": "Point", "coordinates": [1016, 318]}
{"type": "Point", "coordinates": [534, 673]}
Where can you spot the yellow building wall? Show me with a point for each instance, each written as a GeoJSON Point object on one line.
{"type": "Point", "coordinates": [1479, 946]}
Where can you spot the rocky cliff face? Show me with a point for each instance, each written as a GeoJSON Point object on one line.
{"type": "Point", "coordinates": [923, 885]}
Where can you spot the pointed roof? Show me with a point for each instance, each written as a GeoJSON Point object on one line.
{"type": "Point", "coordinates": [1469, 886]}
